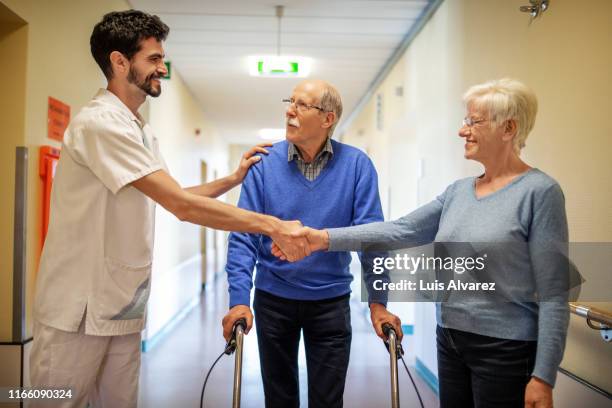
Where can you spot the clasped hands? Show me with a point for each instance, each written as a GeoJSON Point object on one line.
{"type": "Point", "coordinates": [293, 241]}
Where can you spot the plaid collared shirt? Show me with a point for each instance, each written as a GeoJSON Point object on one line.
{"type": "Point", "coordinates": [311, 170]}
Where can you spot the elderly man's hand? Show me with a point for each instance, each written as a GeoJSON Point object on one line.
{"type": "Point", "coordinates": [318, 240]}
{"type": "Point", "coordinates": [538, 394]}
{"type": "Point", "coordinates": [234, 314]}
{"type": "Point", "coordinates": [292, 247]}
{"type": "Point", "coordinates": [379, 316]}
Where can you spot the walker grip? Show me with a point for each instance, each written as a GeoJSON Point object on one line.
{"type": "Point", "coordinates": [230, 347]}
{"type": "Point", "coordinates": [387, 329]}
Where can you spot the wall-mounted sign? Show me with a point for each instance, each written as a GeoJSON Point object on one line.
{"type": "Point", "coordinates": [279, 66]}
{"type": "Point", "coordinates": [58, 117]}
{"type": "Point", "coordinates": [169, 69]}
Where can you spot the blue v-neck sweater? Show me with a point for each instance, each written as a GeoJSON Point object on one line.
{"type": "Point", "coordinates": [344, 194]}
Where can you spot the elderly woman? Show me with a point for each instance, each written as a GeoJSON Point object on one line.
{"type": "Point", "coordinates": [498, 353]}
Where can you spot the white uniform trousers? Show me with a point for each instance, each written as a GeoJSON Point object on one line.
{"type": "Point", "coordinates": [101, 370]}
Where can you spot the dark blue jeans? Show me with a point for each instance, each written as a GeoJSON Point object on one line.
{"type": "Point", "coordinates": [481, 371]}
{"type": "Point", "coordinates": [327, 340]}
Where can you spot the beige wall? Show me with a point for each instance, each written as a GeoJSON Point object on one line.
{"type": "Point", "coordinates": [13, 48]}
{"type": "Point", "coordinates": [565, 57]}
{"type": "Point", "coordinates": [174, 117]}
{"type": "Point", "coordinates": [367, 128]}
{"type": "Point", "coordinates": [235, 154]}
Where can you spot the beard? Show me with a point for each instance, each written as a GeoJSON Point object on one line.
{"type": "Point", "coordinates": [146, 84]}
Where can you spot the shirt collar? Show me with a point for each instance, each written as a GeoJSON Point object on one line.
{"type": "Point", "coordinates": [106, 96]}
{"type": "Point", "coordinates": [293, 152]}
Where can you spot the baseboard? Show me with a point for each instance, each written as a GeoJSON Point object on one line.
{"type": "Point", "coordinates": [148, 344]}
{"type": "Point", "coordinates": [425, 373]}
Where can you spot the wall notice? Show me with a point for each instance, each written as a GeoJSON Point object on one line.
{"type": "Point", "coordinates": [57, 119]}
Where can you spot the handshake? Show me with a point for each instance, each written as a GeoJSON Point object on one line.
{"type": "Point", "coordinates": [293, 241]}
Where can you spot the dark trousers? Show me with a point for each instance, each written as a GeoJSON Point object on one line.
{"type": "Point", "coordinates": [481, 371]}
{"type": "Point", "coordinates": [327, 340]}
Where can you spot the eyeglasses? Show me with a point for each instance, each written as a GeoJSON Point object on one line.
{"type": "Point", "coordinates": [469, 122]}
{"type": "Point", "coordinates": [301, 106]}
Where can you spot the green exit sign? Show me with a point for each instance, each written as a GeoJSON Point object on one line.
{"type": "Point", "coordinates": [279, 66]}
{"type": "Point", "coordinates": [289, 68]}
{"type": "Point", "coordinates": [169, 69]}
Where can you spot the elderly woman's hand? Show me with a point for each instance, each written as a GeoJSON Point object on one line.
{"type": "Point", "coordinates": [538, 394]}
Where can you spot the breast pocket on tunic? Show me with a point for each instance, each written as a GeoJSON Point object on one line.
{"type": "Point", "coordinates": [125, 290]}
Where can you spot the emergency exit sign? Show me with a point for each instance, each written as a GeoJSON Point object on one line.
{"type": "Point", "coordinates": [279, 66]}
{"type": "Point", "coordinates": [169, 69]}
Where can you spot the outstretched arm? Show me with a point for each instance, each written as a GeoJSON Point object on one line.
{"type": "Point", "coordinates": [208, 212]}
{"type": "Point", "coordinates": [417, 228]}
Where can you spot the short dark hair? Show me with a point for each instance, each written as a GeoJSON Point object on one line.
{"type": "Point", "coordinates": [123, 31]}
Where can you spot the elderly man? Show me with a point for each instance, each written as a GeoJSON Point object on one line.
{"type": "Point", "coordinates": [320, 182]}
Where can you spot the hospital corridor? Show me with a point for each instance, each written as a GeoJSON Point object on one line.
{"type": "Point", "coordinates": [290, 203]}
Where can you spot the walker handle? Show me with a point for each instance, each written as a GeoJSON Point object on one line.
{"type": "Point", "coordinates": [230, 347]}
{"type": "Point", "coordinates": [388, 329]}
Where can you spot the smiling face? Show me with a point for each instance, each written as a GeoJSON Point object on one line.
{"type": "Point", "coordinates": [147, 67]}
{"type": "Point", "coordinates": [483, 140]}
{"type": "Point", "coordinates": [307, 125]}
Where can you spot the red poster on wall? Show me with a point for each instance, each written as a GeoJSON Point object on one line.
{"type": "Point", "coordinates": [58, 117]}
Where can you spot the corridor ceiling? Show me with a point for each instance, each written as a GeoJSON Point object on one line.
{"type": "Point", "coordinates": [209, 42]}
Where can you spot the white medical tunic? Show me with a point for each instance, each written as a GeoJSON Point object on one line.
{"type": "Point", "coordinates": [99, 247]}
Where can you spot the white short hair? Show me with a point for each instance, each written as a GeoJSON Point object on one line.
{"type": "Point", "coordinates": [331, 102]}
{"type": "Point", "coordinates": [506, 99]}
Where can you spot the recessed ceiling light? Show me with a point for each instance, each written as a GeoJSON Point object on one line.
{"type": "Point", "coordinates": [272, 134]}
